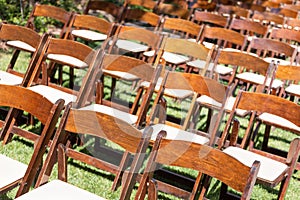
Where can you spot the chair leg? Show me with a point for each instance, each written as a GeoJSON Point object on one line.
{"type": "Point", "coordinates": [13, 59]}
{"type": "Point", "coordinates": [266, 138]}
{"type": "Point", "coordinates": [123, 165]}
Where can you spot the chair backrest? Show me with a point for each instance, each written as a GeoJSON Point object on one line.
{"type": "Point", "coordinates": [288, 13]}
{"type": "Point", "coordinates": [268, 18]}
{"type": "Point", "coordinates": [224, 37]}
{"type": "Point", "coordinates": [149, 5]}
{"type": "Point", "coordinates": [233, 11]}
{"type": "Point", "coordinates": [150, 19]}
{"type": "Point", "coordinates": [88, 22]}
{"type": "Point", "coordinates": [289, 74]}
{"type": "Point", "coordinates": [285, 35]}
{"type": "Point", "coordinates": [23, 100]}
{"type": "Point", "coordinates": [52, 12]}
{"type": "Point", "coordinates": [14, 34]}
{"type": "Point", "coordinates": [182, 27]}
{"type": "Point", "coordinates": [173, 10]}
{"type": "Point", "coordinates": [241, 62]}
{"type": "Point", "coordinates": [249, 28]}
{"type": "Point", "coordinates": [99, 125]}
{"type": "Point", "coordinates": [107, 7]}
{"type": "Point", "coordinates": [210, 18]}
{"type": "Point", "coordinates": [269, 47]}
{"type": "Point", "coordinates": [204, 159]}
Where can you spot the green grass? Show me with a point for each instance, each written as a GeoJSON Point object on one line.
{"type": "Point", "coordinates": [100, 182]}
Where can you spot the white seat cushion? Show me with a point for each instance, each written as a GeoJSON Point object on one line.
{"type": "Point", "coordinates": [267, 117]}
{"type": "Point", "coordinates": [67, 60]}
{"type": "Point", "coordinates": [53, 94]}
{"type": "Point", "coordinates": [220, 69]}
{"type": "Point", "coordinates": [258, 79]}
{"type": "Point", "coordinates": [175, 93]}
{"type": "Point", "coordinates": [269, 169]}
{"type": "Point", "coordinates": [9, 79]}
{"type": "Point", "coordinates": [127, 117]}
{"type": "Point", "coordinates": [177, 134]}
{"type": "Point", "coordinates": [210, 102]}
{"type": "Point", "coordinates": [89, 35]}
{"type": "Point", "coordinates": [173, 58]}
{"type": "Point", "coordinates": [57, 189]}
{"type": "Point", "coordinates": [293, 89]}
{"type": "Point", "coordinates": [121, 75]}
{"type": "Point", "coordinates": [21, 45]}
{"type": "Point", "coordinates": [280, 61]}
{"type": "Point", "coordinates": [10, 170]}
{"type": "Point", "coordinates": [131, 46]}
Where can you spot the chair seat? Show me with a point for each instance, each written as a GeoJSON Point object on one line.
{"type": "Point", "coordinates": [279, 121]}
{"type": "Point", "coordinates": [174, 93]}
{"type": "Point", "coordinates": [293, 89]}
{"type": "Point", "coordinates": [122, 75]}
{"type": "Point", "coordinates": [127, 117]}
{"type": "Point", "coordinates": [131, 46]}
{"type": "Point", "coordinates": [21, 45]}
{"type": "Point", "coordinates": [280, 61]}
{"type": "Point", "coordinates": [57, 189]}
{"type": "Point", "coordinates": [10, 170]}
{"type": "Point", "coordinates": [53, 94]}
{"type": "Point", "coordinates": [68, 60]}
{"type": "Point", "coordinates": [220, 69]}
{"type": "Point", "coordinates": [269, 169]}
{"type": "Point", "coordinates": [7, 78]}
{"type": "Point", "coordinates": [258, 79]}
{"type": "Point", "coordinates": [89, 35]}
{"type": "Point", "coordinates": [172, 58]}
{"type": "Point", "coordinates": [210, 102]}
{"type": "Point", "coordinates": [177, 134]}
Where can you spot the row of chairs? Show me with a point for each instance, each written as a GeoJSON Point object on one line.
{"type": "Point", "coordinates": [176, 79]}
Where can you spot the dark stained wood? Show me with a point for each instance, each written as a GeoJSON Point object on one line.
{"type": "Point", "coordinates": [22, 99]}
{"type": "Point", "coordinates": [204, 159]}
{"type": "Point", "coordinates": [265, 103]}
{"type": "Point", "coordinates": [212, 19]}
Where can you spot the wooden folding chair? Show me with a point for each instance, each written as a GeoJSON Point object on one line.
{"type": "Point", "coordinates": [289, 75]}
{"type": "Point", "coordinates": [27, 40]}
{"type": "Point", "coordinates": [91, 123]}
{"type": "Point", "coordinates": [60, 15]}
{"type": "Point", "coordinates": [282, 167]}
{"type": "Point", "coordinates": [88, 28]}
{"type": "Point", "coordinates": [53, 92]}
{"type": "Point", "coordinates": [249, 28]}
{"type": "Point", "coordinates": [109, 10]}
{"type": "Point", "coordinates": [273, 50]}
{"type": "Point", "coordinates": [202, 158]}
{"type": "Point", "coordinates": [223, 38]}
{"type": "Point", "coordinates": [132, 112]}
{"type": "Point", "coordinates": [14, 173]}
{"type": "Point", "coordinates": [182, 86]}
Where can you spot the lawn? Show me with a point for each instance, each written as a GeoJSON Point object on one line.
{"type": "Point", "coordinates": [100, 182]}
